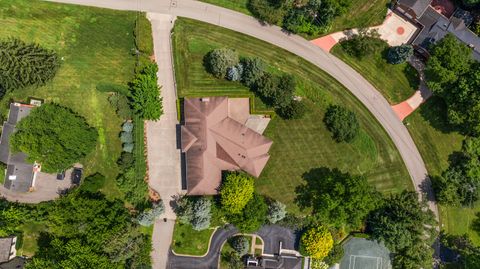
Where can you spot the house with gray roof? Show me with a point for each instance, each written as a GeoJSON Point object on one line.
{"type": "Point", "coordinates": [434, 25]}
{"type": "Point", "coordinates": [20, 174]}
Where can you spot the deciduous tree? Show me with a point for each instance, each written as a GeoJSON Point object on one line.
{"type": "Point", "coordinates": [218, 61]}
{"type": "Point", "coordinates": [236, 191]}
{"type": "Point", "coordinates": [146, 100]}
{"type": "Point", "coordinates": [342, 123]}
{"type": "Point", "coordinates": [316, 242]}
{"type": "Point", "coordinates": [54, 136]}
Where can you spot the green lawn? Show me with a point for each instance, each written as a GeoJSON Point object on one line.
{"type": "Point", "coordinates": [299, 145]}
{"type": "Point", "coordinates": [237, 5]}
{"type": "Point", "coordinates": [362, 13]}
{"type": "Point", "coordinates": [95, 45]}
{"type": "Point", "coordinates": [396, 82]}
{"type": "Point", "coordinates": [190, 242]}
{"type": "Point", "coordinates": [436, 141]}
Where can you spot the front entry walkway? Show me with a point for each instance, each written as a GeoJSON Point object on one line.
{"type": "Point", "coordinates": [394, 29]}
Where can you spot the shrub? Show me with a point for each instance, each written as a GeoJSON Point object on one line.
{"type": "Point", "coordinates": [234, 73]}
{"type": "Point", "coordinates": [342, 123]}
{"type": "Point", "coordinates": [316, 242]}
{"type": "Point", "coordinates": [23, 64]}
{"type": "Point", "coordinates": [126, 160]}
{"type": "Point", "coordinates": [146, 100]}
{"type": "Point", "coordinates": [253, 215]}
{"type": "Point", "coordinates": [148, 216]}
{"type": "Point", "coordinates": [218, 60]}
{"type": "Point", "coordinates": [365, 43]}
{"type": "Point", "coordinates": [233, 260]}
{"type": "Point", "coordinates": [268, 11]}
{"type": "Point", "coordinates": [318, 264]}
{"type": "Point", "coordinates": [127, 126]}
{"type": "Point", "coordinates": [201, 214]}
{"type": "Point", "coordinates": [134, 187]}
{"type": "Point", "coordinates": [121, 104]}
{"type": "Point", "coordinates": [93, 183]}
{"type": "Point", "coordinates": [128, 147]}
{"type": "Point", "coordinates": [295, 110]}
{"type": "Point", "coordinates": [399, 54]}
{"type": "Point", "coordinates": [253, 70]}
{"type": "Point", "coordinates": [54, 136]}
{"type": "Point", "coordinates": [236, 191]}
{"type": "Point", "coordinates": [126, 137]}
{"type": "Point", "coordinates": [276, 91]}
{"type": "Point", "coordinates": [276, 212]}
{"type": "Point", "coordinates": [313, 18]}
{"type": "Point", "coordinates": [335, 255]}
{"type": "Point", "coordinates": [240, 244]}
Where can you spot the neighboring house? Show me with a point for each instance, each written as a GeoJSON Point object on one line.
{"type": "Point", "coordinates": [7, 248]}
{"type": "Point", "coordinates": [20, 174]}
{"type": "Point", "coordinates": [15, 263]}
{"type": "Point", "coordinates": [214, 138]}
{"type": "Point", "coordinates": [434, 25]}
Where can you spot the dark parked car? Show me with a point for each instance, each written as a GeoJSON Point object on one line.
{"type": "Point", "coordinates": [61, 176]}
{"type": "Point", "coordinates": [77, 175]}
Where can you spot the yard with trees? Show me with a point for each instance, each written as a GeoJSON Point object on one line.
{"type": "Point", "coordinates": [299, 144]}
{"type": "Point", "coordinates": [98, 224]}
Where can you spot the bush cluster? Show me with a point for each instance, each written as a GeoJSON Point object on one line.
{"type": "Point", "coordinates": [194, 211]}
{"type": "Point", "coordinates": [275, 90]}
{"type": "Point", "coordinates": [145, 95]}
{"type": "Point", "coordinates": [312, 17]}
{"type": "Point", "coordinates": [399, 54]}
{"type": "Point", "coordinates": [363, 44]}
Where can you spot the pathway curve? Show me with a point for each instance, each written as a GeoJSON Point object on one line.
{"type": "Point", "coordinates": [162, 153]}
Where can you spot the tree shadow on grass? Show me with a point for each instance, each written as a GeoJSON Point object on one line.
{"type": "Point", "coordinates": [434, 111]}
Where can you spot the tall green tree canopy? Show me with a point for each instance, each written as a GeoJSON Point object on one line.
{"type": "Point", "coordinates": [146, 100]}
{"type": "Point", "coordinates": [23, 64]}
{"type": "Point", "coordinates": [407, 227]}
{"type": "Point", "coordinates": [342, 123]}
{"type": "Point", "coordinates": [236, 191]}
{"type": "Point", "coordinates": [54, 136]}
{"type": "Point", "coordinates": [337, 198]}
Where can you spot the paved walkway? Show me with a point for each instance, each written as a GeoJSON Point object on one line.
{"type": "Point", "coordinates": [162, 153]}
{"type": "Point", "coordinates": [407, 107]}
{"type": "Point", "coordinates": [394, 29]}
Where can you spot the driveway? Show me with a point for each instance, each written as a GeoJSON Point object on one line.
{"type": "Point", "coordinates": [47, 188]}
{"type": "Point", "coordinates": [273, 235]}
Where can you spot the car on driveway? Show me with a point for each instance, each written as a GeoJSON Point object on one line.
{"type": "Point", "coordinates": [77, 175]}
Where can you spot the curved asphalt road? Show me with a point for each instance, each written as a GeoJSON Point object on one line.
{"type": "Point", "coordinates": [353, 81]}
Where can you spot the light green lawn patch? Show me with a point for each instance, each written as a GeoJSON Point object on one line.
{"type": "Point", "coordinates": [187, 241]}
{"type": "Point", "coordinates": [258, 241]}
{"type": "Point", "coordinates": [95, 45]}
{"type": "Point", "coordinates": [362, 13]}
{"type": "Point", "coordinates": [396, 82]}
{"type": "Point", "coordinates": [436, 140]}
{"type": "Point", "coordinates": [237, 5]}
{"type": "Point", "coordinates": [299, 145]}
{"type": "Point", "coordinates": [31, 233]}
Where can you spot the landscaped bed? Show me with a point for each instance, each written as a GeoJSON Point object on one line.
{"type": "Point", "coordinates": [299, 145]}
{"type": "Point", "coordinates": [396, 82]}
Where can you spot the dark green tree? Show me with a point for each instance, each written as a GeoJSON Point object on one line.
{"type": "Point", "coordinates": [364, 43]}
{"type": "Point", "coordinates": [54, 136]}
{"type": "Point", "coordinates": [469, 254]}
{"type": "Point", "coordinates": [337, 198]}
{"type": "Point", "coordinates": [270, 11]}
{"type": "Point", "coordinates": [399, 54]}
{"type": "Point", "coordinates": [342, 123]}
{"type": "Point", "coordinates": [407, 227]}
{"type": "Point", "coordinates": [253, 70]}
{"type": "Point", "coordinates": [253, 215]}
{"type": "Point", "coordinates": [146, 100]}
{"type": "Point", "coordinates": [134, 187]}
{"type": "Point", "coordinates": [218, 61]}
{"type": "Point", "coordinates": [25, 64]}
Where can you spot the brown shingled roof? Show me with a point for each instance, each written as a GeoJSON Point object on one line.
{"type": "Point", "coordinates": [213, 141]}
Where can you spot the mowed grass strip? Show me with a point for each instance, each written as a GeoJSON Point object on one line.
{"type": "Point", "coordinates": [396, 82]}
{"type": "Point", "coordinates": [237, 5]}
{"type": "Point", "coordinates": [437, 140]}
{"type": "Point", "coordinates": [299, 145]}
{"type": "Point", "coordinates": [95, 46]}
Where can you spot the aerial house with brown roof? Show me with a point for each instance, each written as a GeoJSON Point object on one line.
{"type": "Point", "coordinates": [215, 138]}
